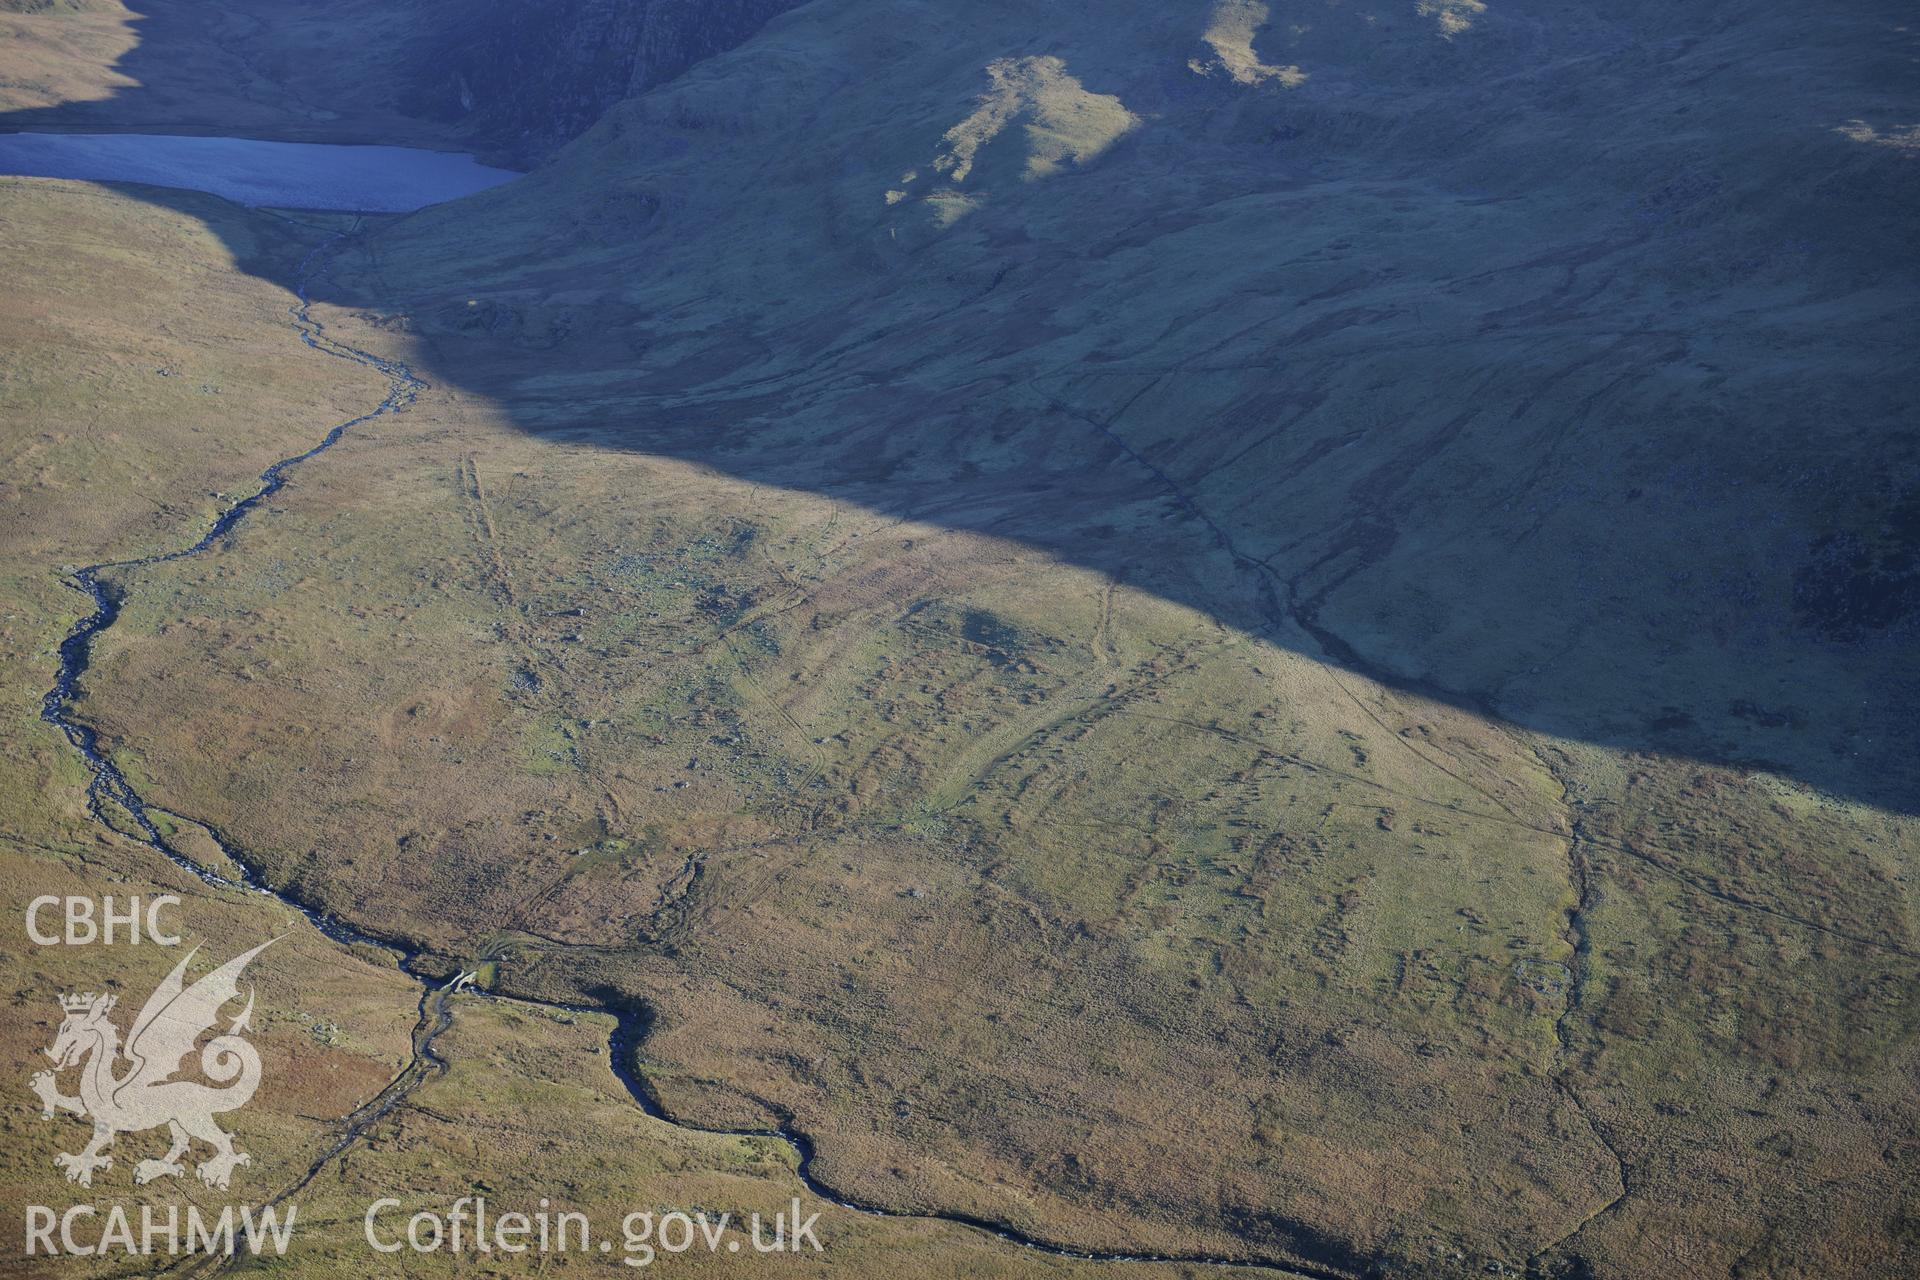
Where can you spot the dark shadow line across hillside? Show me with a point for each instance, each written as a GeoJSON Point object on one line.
{"type": "Point", "coordinates": [1869, 598]}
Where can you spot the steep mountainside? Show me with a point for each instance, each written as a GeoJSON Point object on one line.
{"type": "Point", "coordinates": [1518, 391]}
{"type": "Point", "coordinates": [528, 75]}
{"type": "Point", "coordinates": [1549, 358]}
{"type": "Point", "coordinates": [512, 79]}
{"type": "Point", "coordinates": [1220, 629]}
{"type": "Point", "coordinates": [249, 68]}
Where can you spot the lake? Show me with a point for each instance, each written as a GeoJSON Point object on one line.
{"type": "Point", "coordinates": [293, 175]}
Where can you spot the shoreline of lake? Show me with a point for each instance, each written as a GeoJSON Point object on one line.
{"type": "Point", "coordinates": [254, 172]}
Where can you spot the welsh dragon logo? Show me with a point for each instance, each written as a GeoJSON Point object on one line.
{"type": "Point", "coordinates": [144, 1094]}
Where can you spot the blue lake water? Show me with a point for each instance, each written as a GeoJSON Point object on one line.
{"type": "Point", "coordinates": [293, 175]}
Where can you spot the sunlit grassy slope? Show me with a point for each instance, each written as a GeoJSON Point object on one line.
{"type": "Point", "coordinates": [147, 376]}
{"type": "Point", "coordinates": [1490, 433]}
{"type": "Point", "coordinates": [141, 372]}
{"type": "Point", "coordinates": [1188, 627]}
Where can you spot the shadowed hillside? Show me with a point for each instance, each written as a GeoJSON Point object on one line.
{"type": "Point", "coordinates": [512, 79]}
{"type": "Point", "coordinates": [1546, 364]}
{"type": "Point", "coordinates": [528, 75]}
{"type": "Point", "coordinates": [1223, 629]}
{"type": "Point", "coordinates": [1468, 329]}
